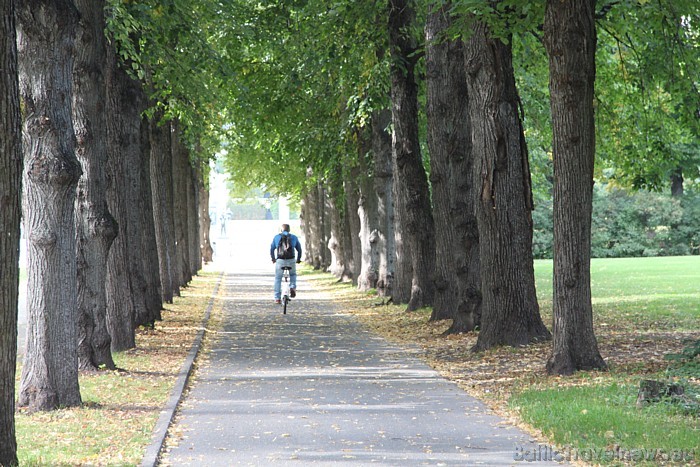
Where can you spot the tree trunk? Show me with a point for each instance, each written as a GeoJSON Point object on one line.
{"type": "Point", "coordinates": [570, 40]}
{"type": "Point", "coordinates": [403, 268]}
{"type": "Point", "coordinates": [161, 185]}
{"type": "Point", "coordinates": [468, 315]}
{"type": "Point", "coordinates": [325, 225]}
{"type": "Point", "coordinates": [125, 295]}
{"type": "Point", "coordinates": [146, 218]}
{"type": "Point", "coordinates": [510, 312]}
{"type": "Point", "coordinates": [303, 225]}
{"type": "Point", "coordinates": [352, 220]}
{"type": "Point", "coordinates": [416, 217]}
{"type": "Point", "coordinates": [45, 39]}
{"type": "Point", "coordinates": [677, 182]}
{"type": "Point", "coordinates": [369, 236]}
{"type": "Point", "coordinates": [95, 226]}
{"type": "Point", "coordinates": [449, 140]}
{"type": "Point", "coordinates": [316, 208]}
{"type": "Point", "coordinates": [10, 220]}
{"type": "Point", "coordinates": [458, 279]}
{"type": "Point", "coordinates": [383, 186]}
{"type": "Point", "coordinates": [180, 170]}
{"type": "Point", "coordinates": [367, 215]}
{"type": "Point", "coordinates": [204, 219]}
{"type": "Point", "coordinates": [121, 305]}
{"type": "Point", "coordinates": [312, 223]}
{"type": "Point", "coordinates": [336, 244]}
{"type": "Point", "coordinates": [308, 225]}
{"type": "Point", "coordinates": [317, 242]}
{"type": "Point", "coordinates": [193, 221]}
{"type": "Point", "coordinates": [346, 238]}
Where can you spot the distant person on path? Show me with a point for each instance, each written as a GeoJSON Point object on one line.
{"type": "Point", "coordinates": [282, 254]}
{"type": "Point", "coordinates": [222, 221]}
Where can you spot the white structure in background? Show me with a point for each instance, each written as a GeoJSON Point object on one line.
{"type": "Point", "coordinates": [219, 197]}
{"type": "Point", "coordinates": [218, 194]}
{"type": "Point", "coordinates": [284, 208]}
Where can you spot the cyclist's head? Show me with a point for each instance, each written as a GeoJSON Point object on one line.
{"type": "Point", "coordinates": [285, 227]}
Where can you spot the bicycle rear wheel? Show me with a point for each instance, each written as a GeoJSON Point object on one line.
{"type": "Point", "coordinates": [285, 300]}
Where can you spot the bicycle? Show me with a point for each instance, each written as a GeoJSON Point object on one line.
{"type": "Point", "coordinates": [286, 298]}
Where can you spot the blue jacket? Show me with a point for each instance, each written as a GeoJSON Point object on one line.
{"type": "Point", "coordinates": [296, 244]}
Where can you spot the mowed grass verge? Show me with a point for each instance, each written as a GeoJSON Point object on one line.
{"type": "Point", "coordinates": [120, 408]}
{"type": "Point", "coordinates": [644, 310]}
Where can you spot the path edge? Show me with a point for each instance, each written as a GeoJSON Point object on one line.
{"type": "Point", "coordinates": [160, 430]}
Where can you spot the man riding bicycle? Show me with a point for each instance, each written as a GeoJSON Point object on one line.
{"type": "Point", "coordinates": [282, 254]}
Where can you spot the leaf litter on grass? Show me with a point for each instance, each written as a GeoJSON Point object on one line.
{"type": "Point", "coordinates": [120, 407]}
{"type": "Point", "coordinates": [631, 352]}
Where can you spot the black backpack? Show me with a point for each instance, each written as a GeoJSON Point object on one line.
{"type": "Point", "coordinates": [284, 248]}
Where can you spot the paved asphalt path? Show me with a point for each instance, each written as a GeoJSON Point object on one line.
{"type": "Point", "coordinates": [314, 387]}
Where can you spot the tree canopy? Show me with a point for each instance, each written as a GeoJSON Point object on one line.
{"type": "Point", "coordinates": [283, 86]}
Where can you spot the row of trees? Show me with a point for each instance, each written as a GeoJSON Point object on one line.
{"type": "Point", "coordinates": [112, 183]}
{"type": "Point", "coordinates": [463, 248]}
{"type": "Point", "coordinates": [415, 133]}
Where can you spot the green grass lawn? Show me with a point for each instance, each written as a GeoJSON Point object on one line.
{"type": "Point", "coordinates": [120, 408]}
{"type": "Point", "coordinates": [643, 310]}
{"type": "Point", "coordinates": [646, 292]}
{"type": "Point", "coordinates": [112, 427]}
{"type": "Point", "coordinates": [601, 418]}
{"type": "Point", "coordinates": [593, 413]}
{"type": "Point", "coordinates": [596, 412]}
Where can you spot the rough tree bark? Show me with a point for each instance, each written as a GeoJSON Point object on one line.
{"type": "Point", "coordinates": [510, 312]}
{"type": "Point", "coordinates": [336, 243]}
{"type": "Point", "coordinates": [348, 245]}
{"type": "Point", "coordinates": [307, 227]}
{"type": "Point", "coordinates": [45, 42]}
{"type": "Point", "coordinates": [383, 186]}
{"type": "Point", "coordinates": [10, 219]}
{"type": "Point", "coordinates": [180, 171]}
{"type": "Point", "coordinates": [570, 40]}
{"type": "Point", "coordinates": [204, 219]}
{"type": "Point", "coordinates": [403, 268]}
{"type": "Point", "coordinates": [95, 226]}
{"type": "Point", "coordinates": [161, 185]}
{"type": "Point", "coordinates": [677, 182]}
{"type": "Point", "coordinates": [313, 228]}
{"type": "Point", "coordinates": [125, 283]}
{"type": "Point", "coordinates": [369, 236]}
{"type": "Point", "coordinates": [449, 139]}
{"type": "Point", "coordinates": [353, 250]}
{"type": "Point", "coordinates": [193, 221]}
{"type": "Point", "coordinates": [303, 227]}
{"type": "Point", "coordinates": [412, 183]}
{"type": "Point", "coordinates": [140, 173]}
{"type": "Point", "coordinates": [367, 215]}
{"type": "Point", "coordinates": [458, 279]}
{"type": "Point", "coordinates": [325, 225]}
{"type": "Point", "coordinates": [468, 315]}
{"type": "Point", "coordinates": [317, 241]}
{"type": "Point", "coordinates": [313, 220]}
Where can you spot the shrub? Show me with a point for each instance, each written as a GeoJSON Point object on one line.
{"type": "Point", "coordinates": [630, 224]}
